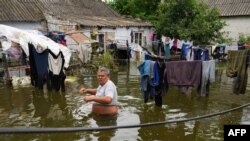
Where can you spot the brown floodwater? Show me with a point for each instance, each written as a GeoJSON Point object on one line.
{"type": "Point", "coordinates": [27, 107]}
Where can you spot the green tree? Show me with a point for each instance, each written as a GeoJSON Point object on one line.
{"type": "Point", "coordinates": [184, 19]}
{"type": "Point", "coordinates": [121, 6]}
{"type": "Point", "coordinates": [143, 9]}
{"type": "Point", "coordinates": [188, 19]}
{"type": "Point", "coordinates": [243, 38]}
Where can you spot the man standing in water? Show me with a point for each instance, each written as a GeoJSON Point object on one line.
{"type": "Point", "coordinates": [104, 96]}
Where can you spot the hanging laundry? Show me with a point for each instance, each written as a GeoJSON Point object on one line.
{"type": "Point", "coordinates": [150, 79]}
{"type": "Point", "coordinates": [15, 51]}
{"type": "Point", "coordinates": [174, 47]}
{"type": "Point", "coordinates": [160, 89]}
{"type": "Point", "coordinates": [183, 74]}
{"type": "Point", "coordinates": [167, 48]}
{"type": "Point", "coordinates": [56, 75]}
{"type": "Point", "coordinates": [237, 63]}
{"type": "Point", "coordinates": [219, 51]}
{"type": "Point", "coordinates": [144, 69]}
{"type": "Point", "coordinates": [184, 50]}
{"type": "Point", "coordinates": [208, 76]}
{"type": "Point", "coordinates": [152, 35]}
{"type": "Point", "coordinates": [200, 53]}
{"type": "Point", "coordinates": [39, 66]}
{"type": "Point", "coordinates": [58, 37]}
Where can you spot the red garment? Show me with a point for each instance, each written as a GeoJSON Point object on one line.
{"type": "Point", "coordinates": [175, 43]}
{"type": "Point", "coordinates": [63, 42]}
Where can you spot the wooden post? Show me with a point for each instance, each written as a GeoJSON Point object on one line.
{"type": "Point", "coordinates": [6, 72]}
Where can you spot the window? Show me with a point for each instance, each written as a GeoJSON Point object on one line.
{"type": "Point", "coordinates": [101, 40]}
{"type": "Point", "coordinates": [138, 38]}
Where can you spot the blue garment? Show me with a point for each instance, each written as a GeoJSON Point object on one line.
{"type": "Point", "coordinates": [167, 51]}
{"type": "Point", "coordinates": [41, 64]}
{"type": "Point", "coordinates": [184, 50]}
{"type": "Point", "coordinates": [144, 70]}
{"type": "Point", "coordinates": [201, 54]}
{"type": "Point", "coordinates": [155, 80]}
{"type": "Point", "coordinates": [56, 36]}
{"type": "Point", "coordinates": [147, 57]}
{"type": "Point", "coordinates": [149, 93]}
{"type": "Point", "coordinates": [219, 51]}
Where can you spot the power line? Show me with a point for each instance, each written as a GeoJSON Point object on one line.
{"type": "Point", "coordinates": [6, 130]}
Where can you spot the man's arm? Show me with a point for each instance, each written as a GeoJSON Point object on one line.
{"type": "Point", "coordinates": [89, 90]}
{"type": "Point", "coordinates": [102, 100]}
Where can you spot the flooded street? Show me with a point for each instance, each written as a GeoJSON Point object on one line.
{"type": "Point", "coordinates": [28, 107]}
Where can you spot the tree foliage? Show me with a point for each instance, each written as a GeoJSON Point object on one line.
{"type": "Point", "coordinates": [143, 9]}
{"type": "Point", "coordinates": [243, 38]}
{"type": "Point", "coordinates": [188, 19]}
{"type": "Point", "coordinates": [184, 19]}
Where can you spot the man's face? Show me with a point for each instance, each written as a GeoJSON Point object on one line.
{"type": "Point", "coordinates": [102, 77]}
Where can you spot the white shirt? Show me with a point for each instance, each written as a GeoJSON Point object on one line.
{"type": "Point", "coordinates": [108, 89]}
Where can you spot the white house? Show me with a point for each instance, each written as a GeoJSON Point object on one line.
{"type": "Point", "coordinates": [92, 17]}
{"type": "Point", "coordinates": [236, 14]}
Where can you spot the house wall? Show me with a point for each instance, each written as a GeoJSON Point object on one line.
{"type": "Point", "coordinates": [125, 34]}
{"type": "Point", "coordinates": [52, 24]}
{"type": "Point", "coordinates": [87, 31]}
{"type": "Point", "coordinates": [27, 25]}
{"type": "Point", "coordinates": [122, 33]}
{"type": "Point", "coordinates": [118, 33]}
{"type": "Point", "coordinates": [55, 24]}
{"type": "Point", "coordinates": [236, 25]}
{"type": "Point", "coordinates": [71, 43]}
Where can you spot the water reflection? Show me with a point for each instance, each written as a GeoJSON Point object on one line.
{"type": "Point", "coordinates": [41, 105]}
{"type": "Point", "coordinates": [105, 121]}
{"type": "Point", "coordinates": [27, 107]}
{"type": "Point", "coordinates": [50, 108]}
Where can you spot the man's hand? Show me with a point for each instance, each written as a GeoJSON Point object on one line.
{"type": "Point", "coordinates": [83, 91]}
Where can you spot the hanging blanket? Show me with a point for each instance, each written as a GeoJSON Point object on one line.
{"type": "Point", "coordinates": [183, 74]}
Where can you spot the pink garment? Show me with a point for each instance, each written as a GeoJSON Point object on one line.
{"type": "Point", "coordinates": [151, 35]}
{"type": "Point", "coordinates": [15, 52]}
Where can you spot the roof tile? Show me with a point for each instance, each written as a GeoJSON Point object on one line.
{"type": "Point", "coordinates": [230, 7]}
{"type": "Point", "coordinates": [84, 12]}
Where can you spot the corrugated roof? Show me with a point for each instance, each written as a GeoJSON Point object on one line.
{"type": "Point", "coordinates": [79, 7]}
{"type": "Point", "coordinates": [230, 7]}
{"type": "Point", "coordinates": [85, 12]}
{"type": "Point", "coordinates": [108, 21]}
{"type": "Point", "coordinates": [18, 10]}
{"type": "Point", "coordinates": [89, 13]}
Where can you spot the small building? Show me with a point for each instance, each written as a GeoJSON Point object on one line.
{"type": "Point", "coordinates": [91, 17]}
{"type": "Point", "coordinates": [80, 45]}
{"type": "Point", "coordinates": [236, 14]}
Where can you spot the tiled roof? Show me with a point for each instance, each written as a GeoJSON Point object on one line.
{"type": "Point", "coordinates": [84, 12]}
{"type": "Point", "coordinates": [230, 7]}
